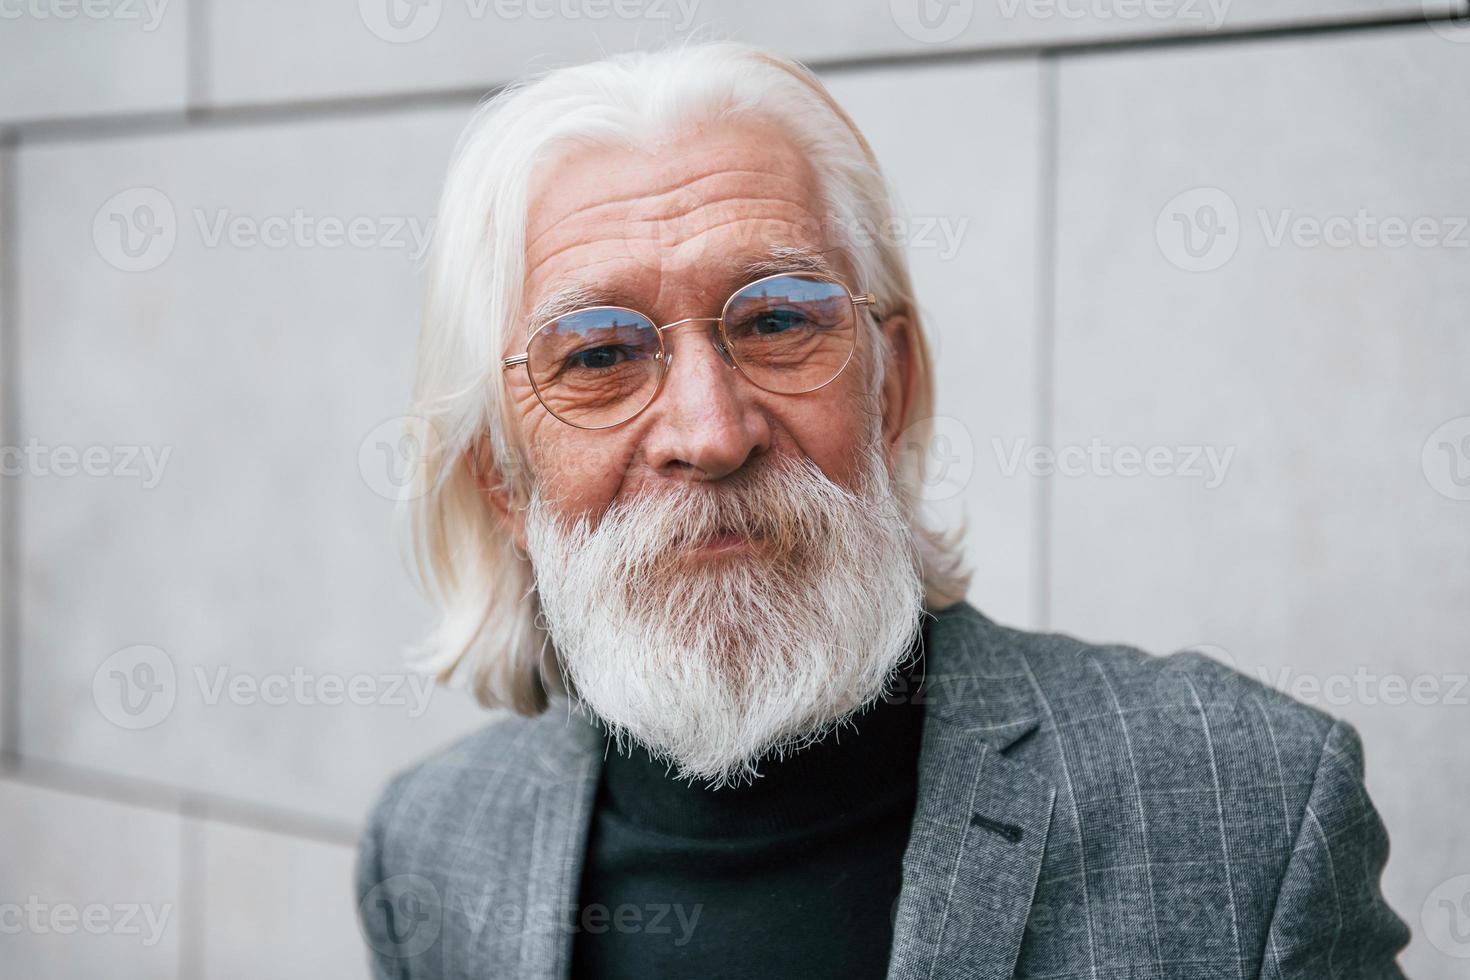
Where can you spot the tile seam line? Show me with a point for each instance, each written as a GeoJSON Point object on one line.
{"type": "Point", "coordinates": [195, 118]}
{"type": "Point", "coordinates": [10, 407]}
{"type": "Point", "coordinates": [1044, 357]}
{"type": "Point", "coordinates": [139, 794]}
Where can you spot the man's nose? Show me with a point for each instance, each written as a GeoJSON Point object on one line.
{"type": "Point", "coordinates": [707, 423]}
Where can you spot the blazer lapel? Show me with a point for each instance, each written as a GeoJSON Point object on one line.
{"type": "Point", "coordinates": [981, 821]}
{"type": "Point", "coordinates": [536, 873]}
{"type": "Point", "coordinates": [572, 762]}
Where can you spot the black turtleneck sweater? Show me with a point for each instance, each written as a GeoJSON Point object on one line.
{"type": "Point", "coordinates": [796, 875]}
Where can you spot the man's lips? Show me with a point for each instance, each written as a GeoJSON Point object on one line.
{"type": "Point", "coordinates": [723, 541]}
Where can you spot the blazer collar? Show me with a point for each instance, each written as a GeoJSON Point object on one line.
{"type": "Point", "coordinates": [981, 822]}
{"type": "Point", "coordinates": [976, 679]}
{"type": "Point", "coordinates": [979, 831]}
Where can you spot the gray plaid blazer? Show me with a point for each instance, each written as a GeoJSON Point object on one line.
{"type": "Point", "coordinates": [1083, 812]}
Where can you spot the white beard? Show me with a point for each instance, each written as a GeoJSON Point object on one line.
{"type": "Point", "coordinates": [712, 665]}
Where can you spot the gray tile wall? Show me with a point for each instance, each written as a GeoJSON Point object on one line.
{"type": "Point", "coordinates": [1113, 240]}
{"type": "Point", "coordinates": [68, 58]}
{"type": "Point", "coordinates": [1327, 371]}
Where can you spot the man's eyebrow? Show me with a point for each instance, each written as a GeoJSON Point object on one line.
{"type": "Point", "coordinates": [785, 258]}
{"type": "Point", "coordinates": [563, 300]}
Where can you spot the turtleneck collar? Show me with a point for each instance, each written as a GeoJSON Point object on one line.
{"type": "Point", "coordinates": [864, 768]}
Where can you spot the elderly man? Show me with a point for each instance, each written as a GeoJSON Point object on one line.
{"type": "Point", "coordinates": [666, 377]}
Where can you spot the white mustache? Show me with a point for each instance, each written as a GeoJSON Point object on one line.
{"type": "Point", "coordinates": [787, 503]}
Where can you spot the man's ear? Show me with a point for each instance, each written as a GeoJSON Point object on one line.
{"type": "Point", "coordinates": [493, 489]}
{"type": "Point", "coordinates": [899, 375]}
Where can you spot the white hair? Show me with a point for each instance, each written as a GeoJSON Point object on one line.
{"type": "Point", "coordinates": [491, 634]}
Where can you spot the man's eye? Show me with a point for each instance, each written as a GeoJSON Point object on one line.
{"type": "Point", "coordinates": [775, 321]}
{"type": "Point", "coordinates": [597, 358]}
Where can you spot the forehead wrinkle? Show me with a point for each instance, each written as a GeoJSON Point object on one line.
{"type": "Point", "coordinates": [594, 218]}
{"type": "Point", "coordinates": [677, 193]}
{"type": "Point", "coordinates": [675, 190]}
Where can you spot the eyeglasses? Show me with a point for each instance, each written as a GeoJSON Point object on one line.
{"type": "Point", "coordinates": [599, 366]}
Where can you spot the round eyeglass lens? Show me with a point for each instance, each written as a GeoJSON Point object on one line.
{"type": "Point", "coordinates": [596, 367]}
{"type": "Point", "coordinates": [791, 333]}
